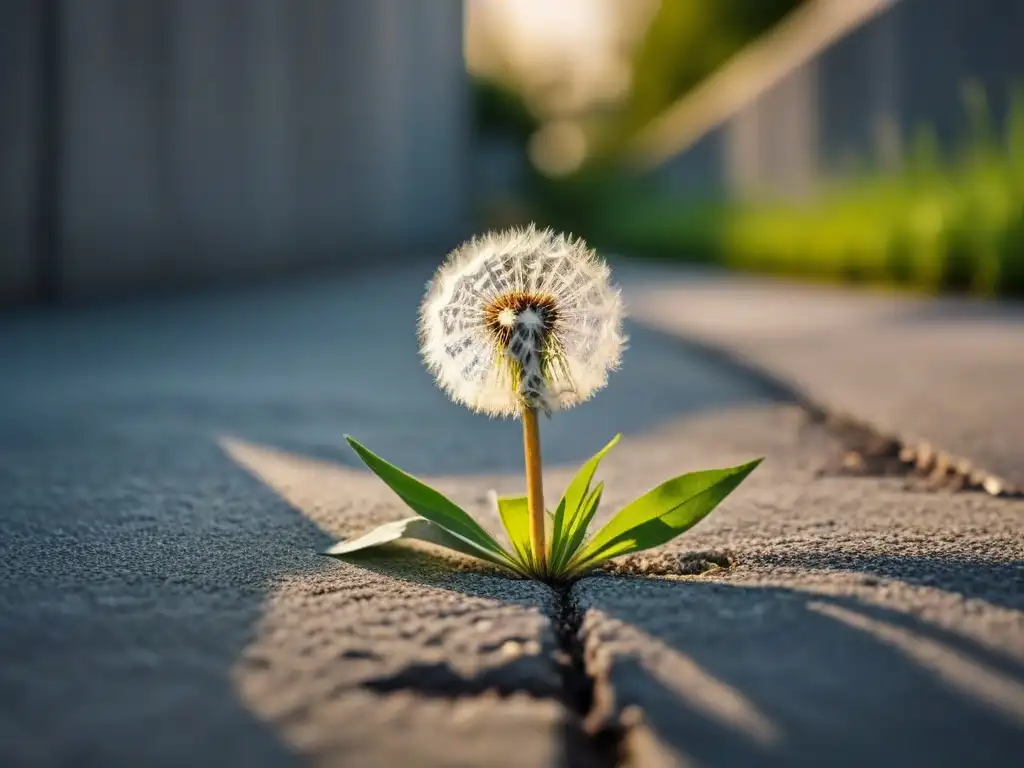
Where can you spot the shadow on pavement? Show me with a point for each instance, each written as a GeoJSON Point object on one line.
{"type": "Point", "coordinates": [757, 675]}
{"type": "Point", "coordinates": [998, 582]}
{"type": "Point", "coordinates": [135, 569]}
{"type": "Point", "coordinates": [662, 379]}
{"type": "Point", "coordinates": [299, 367]}
{"type": "Point", "coordinates": [750, 675]}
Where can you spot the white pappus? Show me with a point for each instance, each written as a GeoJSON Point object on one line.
{"type": "Point", "coordinates": [524, 318]}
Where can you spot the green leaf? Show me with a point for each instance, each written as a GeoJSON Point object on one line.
{"type": "Point", "coordinates": [418, 528]}
{"type": "Point", "coordinates": [574, 514]}
{"type": "Point", "coordinates": [429, 503]}
{"type": "Point", "coordinates": [515, 516]}
{"type": "Point", "coordinates": [663, 513]}
{"type": "Point", "coordinates": [551, 529]}
{"type": "Point", "coordinates": [579, 535]}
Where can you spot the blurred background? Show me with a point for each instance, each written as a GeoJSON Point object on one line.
{"type": "Point", "coordinates": [158, 143]}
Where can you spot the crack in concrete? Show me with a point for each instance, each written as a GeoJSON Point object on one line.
{"type": "Point", "coordinates": [668, 563]}
{"type": "Point", "coordinates": [867, 452]}
{"type": "Point", "coordinates": [596, 733]}
{"type": "Point", "coordinates": [603, 733]}
{"type": "Point", "coordinates": [594, 736]}
{"type": "Point", "coordinates": [599, 738]}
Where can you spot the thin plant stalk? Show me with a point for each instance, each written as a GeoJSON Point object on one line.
{"type": "Point", "coordinates": [534, 488]}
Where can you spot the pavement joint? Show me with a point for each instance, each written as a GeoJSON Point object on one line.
{"type": "Point", "coordinates": [936, 374]}
{"type": "Point", "coordinates": [867, 450]}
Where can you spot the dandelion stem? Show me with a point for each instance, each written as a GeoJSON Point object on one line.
{"type": "Point", "coordinates": [534, 487]}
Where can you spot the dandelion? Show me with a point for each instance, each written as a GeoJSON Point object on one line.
{"type": "Point", "coordinates": [518, 322]}
{"type": "Point", "coordinates": [514, 324]}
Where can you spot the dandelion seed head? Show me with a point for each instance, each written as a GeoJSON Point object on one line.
{"type": "Point", "coordinates": [524, 318]}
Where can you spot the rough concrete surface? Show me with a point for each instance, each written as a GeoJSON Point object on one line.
{"type": "Point", "coordinates": [947, 371]}
{"type": "Point", "coordinates": [861, 625]}
{"type": "Point", "coordinates": [170, 467]}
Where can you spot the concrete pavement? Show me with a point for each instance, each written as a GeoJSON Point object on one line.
{"type": "Point", "coordinates": [169, 468]}
{"type": "Point", "coordinates": [947, 371]}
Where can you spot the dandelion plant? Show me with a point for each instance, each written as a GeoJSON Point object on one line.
{"type": "Point", "coordinates": [516, 324]}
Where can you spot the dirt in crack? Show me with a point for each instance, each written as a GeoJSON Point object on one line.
{"type": "Point", "coordinates": [866, 452]}
{"type": "Point", "coordinates": [594, 739]}
{"type": "Point", "coordinates": [647, 564]}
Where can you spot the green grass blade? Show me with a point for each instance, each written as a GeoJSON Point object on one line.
{"type": "Point", "coordinates": [427, 502]}
{"type": "Point", "coordinates": [571, 516]}
{"type": "Point", "coordinates": [663, 513]}
{"type": "Point", "coordinates": [421, 529]}
{"type": "Point", "coordinates": [579, 533]}
{"type": "Point", "coordinates": [515, 516]}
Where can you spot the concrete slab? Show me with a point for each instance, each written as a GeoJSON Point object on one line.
{"type": "Point", "coordinates": [160, 606]}
{"type": "Point", "coordinates": [947, 371]}
{"type": "Point", "coordinates": [860, 625]}
{"type": "Point", "coordinates": [170, 467]}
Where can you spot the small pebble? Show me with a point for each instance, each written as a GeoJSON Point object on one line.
{"type": "Point", "coordinates": [511, 649]}
{"type": "Point", "coordinates": [993, 485]}
{"type": "Point", "coordinates": [853, 461]}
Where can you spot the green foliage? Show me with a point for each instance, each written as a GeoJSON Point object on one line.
{"type": "Point", "coordinates": [651, 520]}
{"type": "Point", "coordinates": [576, 510]}
{"type": "Point", "coordinates": [420, 529]}
{"type": "Point", "coordinates": [954, 224]}
{"type": "Point", "coordinates": [663, 513]}
{"type": "Point", "coordinates": [686, 41]}
{"type": "Point", "coordinates": [430, 504]}
{"type": "Point", "coordinates": [515, 516]}
{"type": "Point", "coordinates": [498, 110]}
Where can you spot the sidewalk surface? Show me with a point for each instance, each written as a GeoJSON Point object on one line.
{"type": "Point", "coordinates": [170, 467]}
{"type": "Point", "coordinates": [947, 371]}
